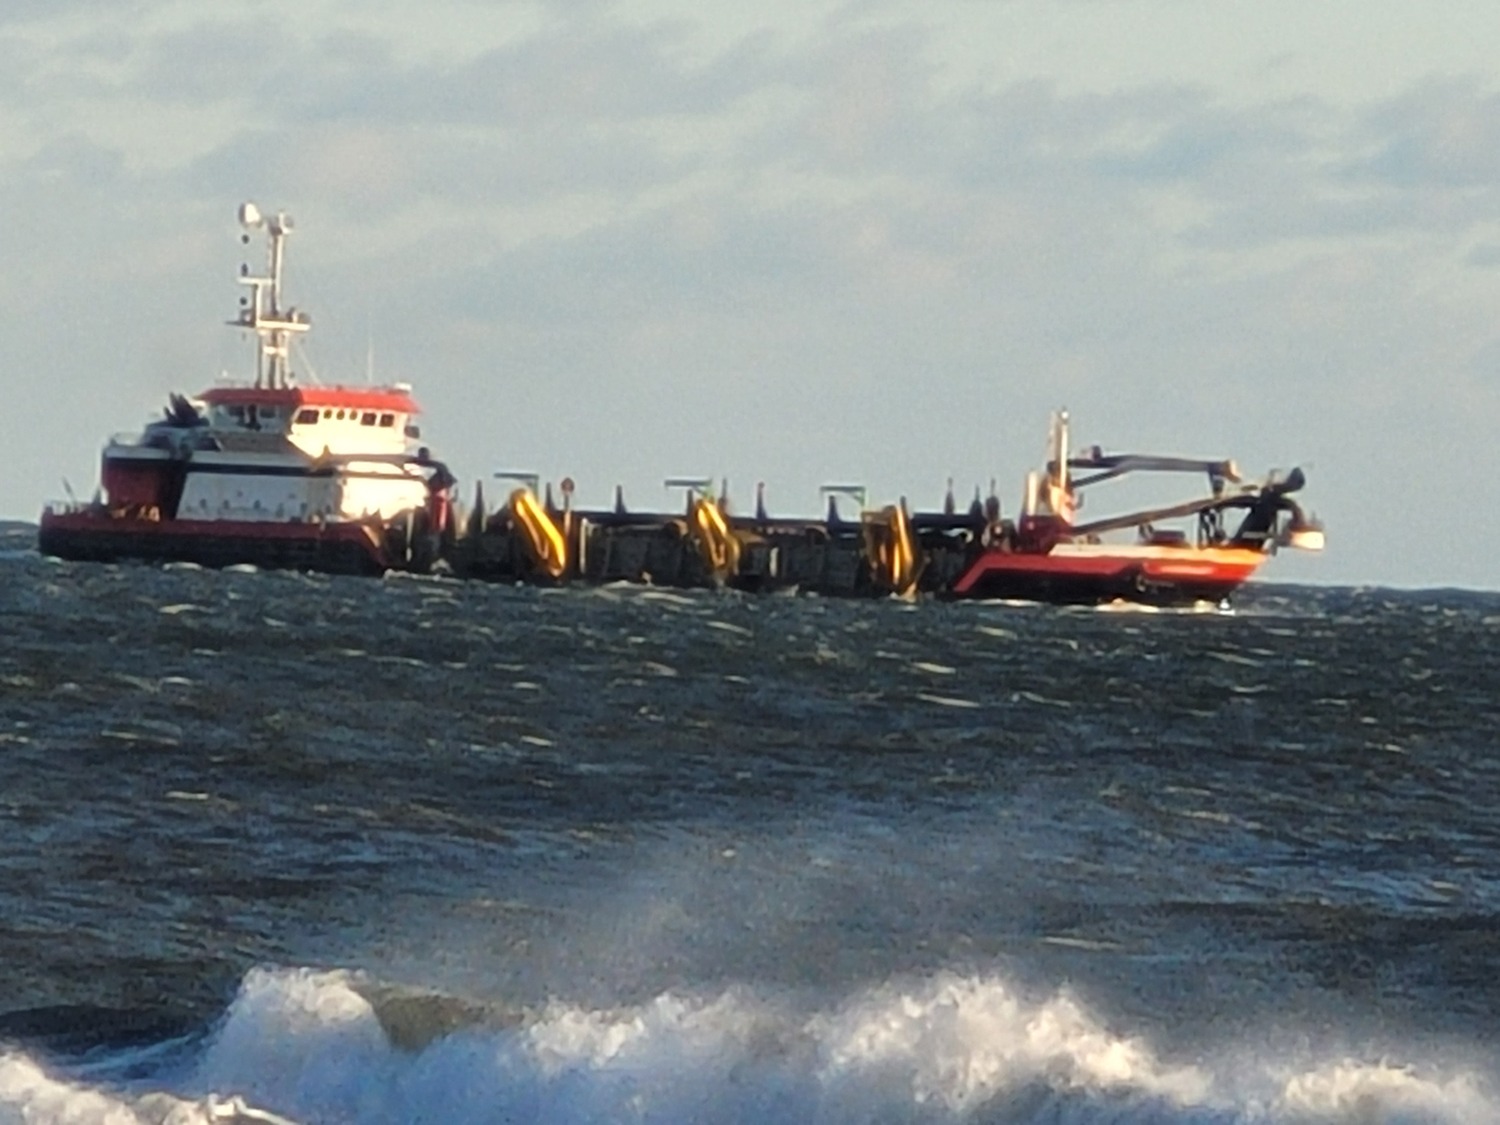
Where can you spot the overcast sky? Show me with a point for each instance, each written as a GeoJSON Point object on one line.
{"type": "Point", "coordinates": [873, 242]}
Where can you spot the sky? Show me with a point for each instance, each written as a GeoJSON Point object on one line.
{"type": "Point", "coordinates": [874, 242]}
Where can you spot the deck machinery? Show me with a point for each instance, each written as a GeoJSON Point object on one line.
{"type": "Point", "coordinates": [1045, 554]}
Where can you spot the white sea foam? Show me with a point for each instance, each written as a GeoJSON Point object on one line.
{"type": "Point", "coordinates": [1218, 609]}
{"type": "Point", "coordinates": [933, 669]}
{"type": "Point", "coordinates": [729, 627]}
{"type": "Point", "coordinates": [962, 1043]}
{"type": "Point", "coordinates": [665, 597]}
{"type": "Point", "coordinates": [309, 1047]}
{"type": "Point", "coordinates": [1356, 1092]}
{"type": "Point", "coordinates": [947, 700]}
{"type": "Point", "coordinates": [301, 1043]}
{"type": "Point", "coordinates": [31, 1096]}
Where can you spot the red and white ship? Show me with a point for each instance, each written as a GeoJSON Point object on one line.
{"type": "Point", "coordinates": [273, 472]}
{"type": "Point", "coordinates": [1049, 555]}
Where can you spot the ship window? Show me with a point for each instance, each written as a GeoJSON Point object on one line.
{"type": "Point", "coordinates": [307, 417]}
{"type": "Point", "coordinates": [387, 419]}
{"type": "Point", "coordinates": [367, 418]}
{"type": "Point", "coordinates": [340, 414]}
{"type": "Point", "coordinates": [413, 431]}
{"type": "Point", "coordinates": [327, 413]}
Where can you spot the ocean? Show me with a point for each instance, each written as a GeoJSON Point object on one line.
{"type": "Point", "coordinates": [285, 847]}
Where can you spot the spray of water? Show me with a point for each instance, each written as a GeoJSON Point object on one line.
{"type": "Point", "coordinates": [310, 1047]}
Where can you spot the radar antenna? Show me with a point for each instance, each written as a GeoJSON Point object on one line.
{"type": "Point", "coordinates": [262, 312]}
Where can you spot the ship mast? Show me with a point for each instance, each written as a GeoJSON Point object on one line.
{"type": "Point", "coordinates": [261, 312]}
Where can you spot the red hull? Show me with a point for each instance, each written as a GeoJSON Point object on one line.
{"type": "Point", "coordinates": [87, 536]}
{"type": "Point", "coordinates": [1166, 577]}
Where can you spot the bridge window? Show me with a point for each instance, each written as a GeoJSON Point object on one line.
{"type": "Point", "coordinates": [367, 418]}
{"type": "Point", "coordinates": [307, 417]}
{"type": "Point", "coordinates": [387, 420]}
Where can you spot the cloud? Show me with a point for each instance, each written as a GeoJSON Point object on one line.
{"type": "Point", "coordinates": [1444, 136]}
{"type": "Point", "coordinates": [25, 12]}
{"type": "Point", "coordinates": [239, 61]}
{"type": "Point", "coordinates": [577, 71]}
{"type": "Point", "coordinates": [1484, 256]}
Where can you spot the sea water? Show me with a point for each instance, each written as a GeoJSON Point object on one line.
{"type": "Point", "coordinates": [280, 846]}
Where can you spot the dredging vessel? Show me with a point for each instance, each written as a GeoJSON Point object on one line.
{"type": "Point", "coordinates": [267, 472]}
{"type": "Point", "coordinates": [1045, 554]}
{"type": "Point", "coordinates": [277, 473]}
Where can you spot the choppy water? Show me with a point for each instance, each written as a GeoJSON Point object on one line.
{"type": "Point", "coordinates": [364, 851]}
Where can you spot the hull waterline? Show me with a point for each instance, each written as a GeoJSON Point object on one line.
{"type": "Point", "coordinates": [1181, 578]}
{"type": "Point", "coordinates": [334, 549]}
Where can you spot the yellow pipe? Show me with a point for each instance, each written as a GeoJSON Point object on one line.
{"type": "Point", "coordinates": [718, 545]}
{"type": "Point", "coordinates": [891, 552]}
{"type": "Point", "coordinates": [545, 542]}
{"type": "Point", "coordinates": [903, 554]}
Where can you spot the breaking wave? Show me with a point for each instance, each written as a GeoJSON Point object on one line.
{"type": "Point", "coordinates": [313, 1046]}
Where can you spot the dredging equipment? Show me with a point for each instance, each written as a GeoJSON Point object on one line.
{"type": "Point", "coordinates": [1045, 554]}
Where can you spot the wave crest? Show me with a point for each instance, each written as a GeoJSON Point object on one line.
{"type": "Point", "coordinates": [315, 1047]}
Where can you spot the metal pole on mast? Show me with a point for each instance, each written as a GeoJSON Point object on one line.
{"type": "Point", "coordinates": [263, 313]}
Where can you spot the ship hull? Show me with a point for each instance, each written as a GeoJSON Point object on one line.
{"type": "Point", "coordinates": [335, 548]}
{"type": "Point", "coordinates": [1096, 576]}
